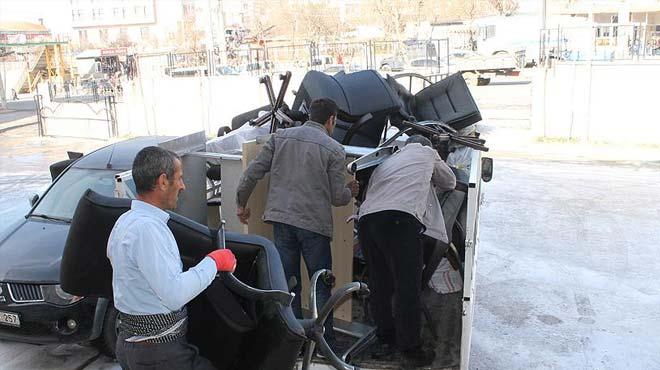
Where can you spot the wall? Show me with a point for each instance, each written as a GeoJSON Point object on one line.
{"type": "Point", "coordinates": [11, 75]}
{"type": "Point", "coordinates": [75, 118]}
{"type": "Point", "coordinates": [161, 105]}
{"type": "Point", "coordinates": [603, 102]}
{"type": "Point", "coordinates": [162, 19]}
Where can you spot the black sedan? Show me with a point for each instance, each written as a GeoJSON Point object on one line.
{"type": "Point", "coordinates": [33, 307]}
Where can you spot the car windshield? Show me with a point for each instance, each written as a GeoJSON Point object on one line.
{"type": "Point", "coordinates": [62, 198]}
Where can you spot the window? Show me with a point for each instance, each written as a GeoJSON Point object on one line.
{"type": "Point", "coordinates": [82, 35]}
{"type": "Point", "coordinates": [123, 33]}
{"type": "Point", "coordinates": [73, 14]}
{"type": "Point", "coordinates": [99, 12]}
{"type": "Point", "coordinates": [115, 12]}
{"type": "Point", "coordinates": [136, 10]}
{"type": "Point", "coordinates": [144, 32]}
{"type": "Point", "coordinates": [62, 198]}
{"type": "Point", "coordinates": [417, 63]}
{"type": "Point", "coordinates": [123, 12]}
{"type": "Point", "coordinates": [144, 10]}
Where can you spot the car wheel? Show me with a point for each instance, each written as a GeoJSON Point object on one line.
{"type": "Point", "coordinates": [482, 81]}
{"type": "Point", "coordinates": [386, 68]}
{"type": "Point", "coordinates": [107, 342]}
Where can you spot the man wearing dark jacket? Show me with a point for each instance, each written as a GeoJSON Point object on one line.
{"type": "Point", "coordinates": [307, 178]}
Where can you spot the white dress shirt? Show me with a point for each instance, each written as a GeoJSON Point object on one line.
{"type": "Point", "coordinates": [148, 275]}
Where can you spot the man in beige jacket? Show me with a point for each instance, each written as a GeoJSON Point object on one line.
{"type": "Point", "coordinates": [400, 205]}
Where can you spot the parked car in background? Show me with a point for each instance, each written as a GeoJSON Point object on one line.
{"type": "Point", "coordinates": [227, 71]}
{"type": "Point", "coordinates": [426, 66]}
{"type": "Point", "coordinates": [187, 71]}
{"type": "Point", "coordinates": [467, 60]}
{"type": "Point", "coordinates": [395, 63]}
{"type": "Point", "coordinates": [478, 69]}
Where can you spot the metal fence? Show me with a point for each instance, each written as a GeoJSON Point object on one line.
{"type": "Point", "coordinates": [290, 57]}
{"type": "Point", "coordinates": [91, 119]}
{"type": "Point", "coordinates": [88, 91]}
{"type": "Point", "coordinates": [425, 56]}
{"type": "Point", "coordinates": [604, 42]}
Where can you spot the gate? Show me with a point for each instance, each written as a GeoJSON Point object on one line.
{"type": "Point", "coordinates": [94, 119]}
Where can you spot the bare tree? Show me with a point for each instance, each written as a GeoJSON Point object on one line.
{"type": "Point", "coordinates": [471, 10]}
{"type": "Point", "coordinates": [393, 15]}
{"type": "Point", "coordinates": [188, 36]}
{"type": "Point", "coordinates": [504, 7]}
{"type": "Point", "coordinates": [319, 22]}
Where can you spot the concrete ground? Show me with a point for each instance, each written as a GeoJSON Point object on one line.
{"type": "Point", "coordinates": [567, 264]}
{"type": "Point", "coordinates": [568, 267]}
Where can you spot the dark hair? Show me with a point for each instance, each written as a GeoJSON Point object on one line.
{"type": "Point", "coordinates": [321, 109]}
{"type": "Point", "coordinates": [149, 164]}
{"type": "Point", "coordinates": [419, 139]}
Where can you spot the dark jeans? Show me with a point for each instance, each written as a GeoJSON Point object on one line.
{"type": "Point", "coordinates": [177, 355]}
{"type": "Point", "coordinates": [391, 242]}
{"type": "Point", "coordinates": [293, 241]}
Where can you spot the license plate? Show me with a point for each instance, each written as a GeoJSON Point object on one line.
{"type": "Point", "coordinates": [11, 319]}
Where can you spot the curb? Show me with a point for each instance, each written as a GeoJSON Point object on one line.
{"type": "Point", "coordinates": [5, 129]}
{"type": "Point", "coordinates": [18, 123]}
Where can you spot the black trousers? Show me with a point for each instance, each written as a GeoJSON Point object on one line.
{"type": "Point", "coordinates": [391, 242]}
{"type": "Point", "coordinates": [177, 355]}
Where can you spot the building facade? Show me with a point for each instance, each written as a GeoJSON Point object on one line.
{"type": "Point", "coordinates": [144, 25]}
{"type": "Point", "coordinates": [609, 30]}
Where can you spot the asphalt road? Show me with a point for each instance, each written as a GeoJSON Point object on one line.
{"type": "Point", "coordinates": [567, 266]}
{"type": "Point", "coordinates": [23, 108]}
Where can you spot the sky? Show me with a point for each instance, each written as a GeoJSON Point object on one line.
{"type": "Point", "coordinates": [56, 13]}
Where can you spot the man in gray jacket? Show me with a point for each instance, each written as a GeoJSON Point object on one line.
{"type": "Point", "coordinates": [400, 205]}
{"type": "Point", "coordinates": [307, 174]}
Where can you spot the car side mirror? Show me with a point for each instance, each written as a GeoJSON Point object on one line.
{"type": "Point", "coordinates": [486, 169]}
{"type": "Point", "coordinates": [58, 167]}
{"type": "Point", "coordinates": [33, 199]}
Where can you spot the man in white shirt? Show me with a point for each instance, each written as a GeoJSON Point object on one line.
{"type": "Point", "coordinates": [149, 286]}
{"type": "Point", "coordinates": [400, 205]}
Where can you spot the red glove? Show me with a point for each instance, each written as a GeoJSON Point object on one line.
{"type": "Point", "coordinates": [224, 260]}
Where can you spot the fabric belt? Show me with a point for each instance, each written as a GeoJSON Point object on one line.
{"type": "Point", "coordinates": [158, 328]}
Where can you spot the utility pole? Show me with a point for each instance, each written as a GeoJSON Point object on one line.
{"type": "Point", "coordinates": [222, 42]}
{"type": "Point", "coordinates": [210, 42]}
{"type": "Point", "coordinates": [544, 11]}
